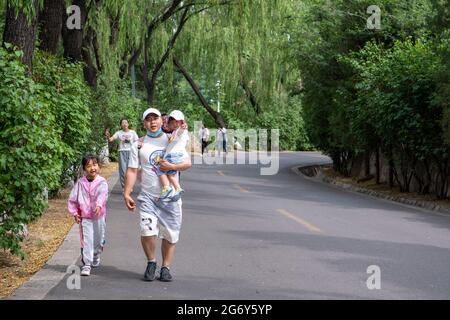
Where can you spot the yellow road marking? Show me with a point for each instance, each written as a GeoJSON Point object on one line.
{"type": "Point", "coordinates": [304, 223]}
{"type": "Point", "coordinates": [240, 188]}
{"type": "Point", "coordinates": [220, 173]}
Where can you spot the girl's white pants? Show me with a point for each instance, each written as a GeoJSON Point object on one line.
{"type": "Point", "coordinates": [92, 235]}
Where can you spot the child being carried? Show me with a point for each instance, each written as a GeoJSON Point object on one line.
{"type": "Point", "coordinates": [175, 153]}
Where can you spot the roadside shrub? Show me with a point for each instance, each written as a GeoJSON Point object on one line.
{"type": "Point", "coordinates": [31, 151]}
{"type": "Point", "coordinates": [61, 86]}
{"type": "Point", "coordinates": [398, 96]}
{"type": "Point", "coordinates": [288, 118]}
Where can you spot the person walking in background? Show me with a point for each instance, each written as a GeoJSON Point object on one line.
{"type": "Point", "coordinates": [127, 137]}
{"type": "Point", "coordinates": [221, 140]}
{"type": "Point", "coordinates": [87, 204]}
{"type": "Point", "coordinates": [204, 138]}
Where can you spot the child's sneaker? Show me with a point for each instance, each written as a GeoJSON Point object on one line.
{"type": "Point", "coordinates": [96, 262]}
{"type": "Point", "coordinates": [165, 192]}
{"type": "Point", "coordinates": [177, 195]}
{"type": "Point", "coordinates": [86, 271]}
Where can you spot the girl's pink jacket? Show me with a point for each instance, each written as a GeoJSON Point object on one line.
{"type": "Point", "coordinates": [86, 196]}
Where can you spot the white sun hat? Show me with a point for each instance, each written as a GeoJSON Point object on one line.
{"type": "Point", "coordinates": [149, 111]}
{"type": "Point", "coordinates": [177, 115]}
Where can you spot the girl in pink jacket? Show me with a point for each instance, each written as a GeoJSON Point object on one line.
{"type": "Point", "coordinates": [87, 203]}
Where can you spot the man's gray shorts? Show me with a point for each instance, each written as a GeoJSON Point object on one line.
{"type": "Point", "coordinates": [160, 217]}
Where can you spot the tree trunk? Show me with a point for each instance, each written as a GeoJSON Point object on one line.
{"type": "Point", "coordinates": [335, 156]}
{"type": "Point", "coordinates": [77, 44]}
{"type": "Point", "coordinates": [217, 116]}
{"type": "Point", "coordinates": [391, 165]}
{"type": "Point", "coordinates": [443, 180]}
{"type": "Point", "coordinates": [151, 83]}
{"type": "Point", "coordinates": [90, 72]}
{"type": "Point", "coordinates": [73, 39]}
{"type": "Point", "coordinates": [51, 21]}
{"type": "Point", "coordinates": [251, 97]}
{"type": "Point", "coordinates": [20, 32]}
{"type": "Point", "coordinates": [96, 48]}
{"type": "Point", "coordinates": [367, 156]}
{"type": "Point", "coordinates": [427, 186]}
{"type": "Point", "coordinates": [145, 74]}
{"type": "Point", "coordinates": [377, 166]}
{"type": "Point", "coordinates": [126, 67]}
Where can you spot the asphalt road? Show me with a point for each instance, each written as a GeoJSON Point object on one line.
{"type": "Point", "coordinates": [249, 236]}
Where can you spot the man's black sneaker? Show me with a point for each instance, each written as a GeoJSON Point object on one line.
{"type": "Point", "coordinates": [149, 274]}
{"type": "Point", "coordinates": [164, 275]}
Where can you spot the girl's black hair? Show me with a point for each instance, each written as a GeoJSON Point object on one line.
{"type": "Point", "coordinates": [88, 158]}
{"type": "Point", "coordinates": [120, 123]}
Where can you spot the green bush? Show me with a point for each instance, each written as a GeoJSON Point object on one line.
{"type": "Point", "coordinates": [326, 31]}
{"type": "Point", "coordinates": [30, 150]}
{"type": "Point", "coordinates": [62, 87]}
{"type": "Point", "coordinates": [288, 118]}
{"type": "Point", "coordinates": [400, 106]}
{"type": "Point", "coordinates": [45, 129]}
{"type": "Point", "coordinates": [442, 96]}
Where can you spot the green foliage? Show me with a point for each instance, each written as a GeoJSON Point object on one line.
{"type": "Point", "coordinates": [326, 31]}
{"type": "Point", "coordinates": [289, 120]}
{"type": "Point", "coordinates": [63, 88]}
{"type": "Point", "coordinates": [194, 112]}
{"type": "Point", "coordinates": [45, 129]}
{"type": "Point", "coordinates": [244, 41]}
{"type": "Point", "coordinates": [387, 90]}
{"type": "Point", "coordinates": [30, 150]}
{"type": "Point", "coordinates": [26, 6]}
{"type": "Point", "coordinates": [225, 48]}
{"type": "Point", "coordinates": [2, 21]}
{"type": "Point", "coordinates": [442, 96]}
{"type": "Point", "coordinates": [396, 96]}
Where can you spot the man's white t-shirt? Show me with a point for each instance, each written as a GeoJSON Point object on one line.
{"type": "Point", "coordinates": [221, 135]}
{"type": "Point", "coordinates": [126, 139]}
{"type": "Point", "coordinates": [150, 150]}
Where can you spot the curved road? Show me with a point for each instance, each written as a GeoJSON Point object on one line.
{"type": "Point", "coordinates": [248, 236]}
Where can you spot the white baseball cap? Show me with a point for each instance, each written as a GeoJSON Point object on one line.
{"type": "Point", "coordinates": [177, 115]}
{"type": "Point", "coordinates": [151, 110]}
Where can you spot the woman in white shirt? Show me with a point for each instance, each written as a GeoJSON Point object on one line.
{"type": "Point", "coordinates": [221, 139]}
{"type": "Point", "coordinates": [126, 138]}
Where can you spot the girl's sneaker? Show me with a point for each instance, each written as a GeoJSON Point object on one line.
{"type": "Point", "coordinates": [96, 262]}
{"type": "Point", "coordinates": [86, 271]}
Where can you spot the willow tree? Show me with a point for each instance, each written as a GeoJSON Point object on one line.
{"type": "Point", "coordinates": [242, 48]}
{"type": "Point", "coordinates": [121, 29]}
